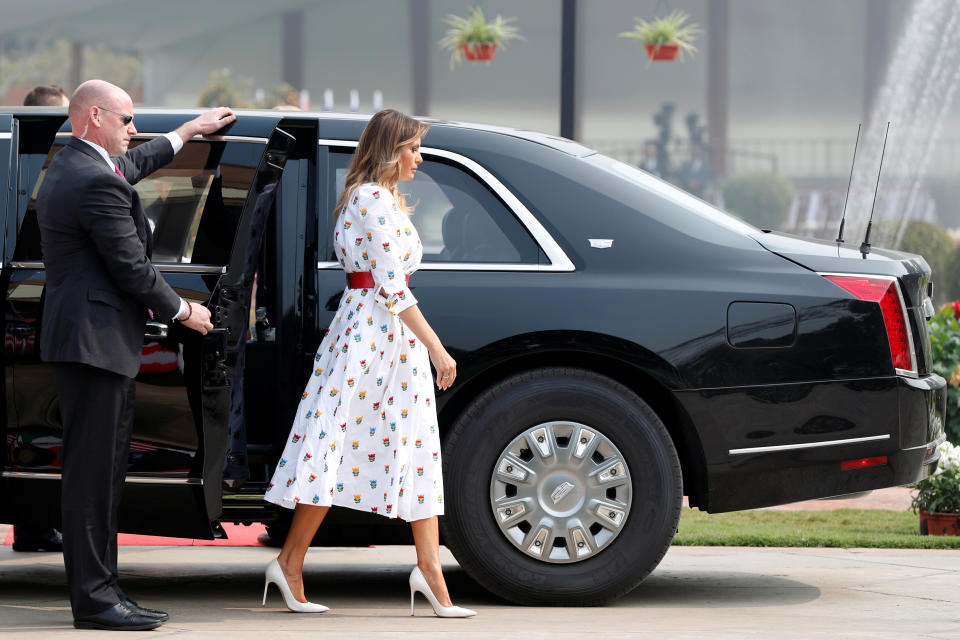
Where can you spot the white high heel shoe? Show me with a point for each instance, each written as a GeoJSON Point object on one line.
{"type": "Point", "coordinates": [419, 583]}
{"type": "Point", "coordinates": [275, 575]}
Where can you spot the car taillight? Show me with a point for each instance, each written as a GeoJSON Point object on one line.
{"type": "Point", "coordinates": [885, 292]}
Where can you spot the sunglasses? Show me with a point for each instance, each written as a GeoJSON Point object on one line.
{"type": "Point", "coordinates": [123, 117]}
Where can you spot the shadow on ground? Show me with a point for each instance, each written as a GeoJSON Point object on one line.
{"type": "Point", "coordinates": [693, 589]}
{"type": "Point", "coordinates": [210, 587]}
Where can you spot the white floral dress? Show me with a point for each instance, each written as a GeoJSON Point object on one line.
{"type": "Point", "coordinates": [365, 435]}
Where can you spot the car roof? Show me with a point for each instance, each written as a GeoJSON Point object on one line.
{"type": "Point", "coordinates": [565, 145]}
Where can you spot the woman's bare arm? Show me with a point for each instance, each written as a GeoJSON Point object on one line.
{"type": "Point", "coordinates": [445, 365]}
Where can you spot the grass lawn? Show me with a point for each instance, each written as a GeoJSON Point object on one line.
{"type": "Point", "coordinates": [837, 528]}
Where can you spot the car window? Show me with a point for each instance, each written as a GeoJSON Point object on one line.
{"type": "Point", "coordinates": [458, 217]}
{"type": "Point", "coordinates": [689, 203]}
{"type": "Point", "coordinates": [193, 204]}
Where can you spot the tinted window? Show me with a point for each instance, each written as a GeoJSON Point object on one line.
{"type": "Point", "coordinates": [458, 217]}
{"type": "Point", "coordinates": [193, 204]}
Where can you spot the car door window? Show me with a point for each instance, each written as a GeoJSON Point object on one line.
{"type": "Point", "coordinates": [459, 218]}
{"type": "Point", "coordinates": [193, 204]}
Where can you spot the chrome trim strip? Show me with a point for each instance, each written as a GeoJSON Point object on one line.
{"type": "Point", "coordinates": [154, 480]}
{"type": "Point", "coordinates": [243, 497]}
{"type": "Point", "coordinates": [806, 445]}
{"type": "Point", "coordinates": [171, 267]}
{"type": "Point", "coordinates": [559, 261]}
{"type": "Point", "coordinates": [910, 373]}
{"type": "Point", "coordinates": [455, 266]}
{"type": "Point", "coordinates": [932, 444]}
{"type": "Point", "coordinates": [327, 142]}
{"type": "Point", "coordinates": [6, 136]}
{"type": "Point", "coordinates": [479, 266]}
{"type": "Point", "coordinates": [227, 138]}
{"type": "Point", "coordinates": [31, 475]}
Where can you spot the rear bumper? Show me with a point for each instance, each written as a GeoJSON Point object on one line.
{"type": "Point", "coordinates": [900, 418]}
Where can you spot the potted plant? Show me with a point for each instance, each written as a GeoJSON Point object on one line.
{"type": "Point", "coordinates": [476, 38]}
{"type": "Point", "coordinates": [664, 38]}
{"type": "Point", "coordinates": [938, 495]}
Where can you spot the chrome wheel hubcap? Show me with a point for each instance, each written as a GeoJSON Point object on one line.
{"type": "Point", "coordinates": [560, 492]}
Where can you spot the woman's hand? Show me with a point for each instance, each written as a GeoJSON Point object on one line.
{"type": "Point", "coordinates": [445, 365]}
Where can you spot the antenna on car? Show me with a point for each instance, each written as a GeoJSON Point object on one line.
{"type": "Point", "coordinates": [865, 247]}
{"type": "Point", "coordinates": [843, 218]}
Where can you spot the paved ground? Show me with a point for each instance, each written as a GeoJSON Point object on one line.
{"type": "Point", "coordinates": [213, 592]}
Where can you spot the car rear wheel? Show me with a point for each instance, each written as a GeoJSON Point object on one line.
{"type": "Point", "coordinates": [563, 488]}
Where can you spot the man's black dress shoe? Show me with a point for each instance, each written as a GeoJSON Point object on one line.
{"type": "Point", "coordinates": [268, 541]}
{"type": "Point", "coordinates": [156, 614]}
{"type": "Point", "coordinates": [119, 617]}
{"type": "Point", "coordinates": [34, 539]}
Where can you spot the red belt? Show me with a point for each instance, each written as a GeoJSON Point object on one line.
{"type": "Point", "coordinates": [363, 280]}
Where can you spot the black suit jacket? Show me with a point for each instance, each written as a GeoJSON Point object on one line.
{"type": "Point", "coordinates": [96, 245]}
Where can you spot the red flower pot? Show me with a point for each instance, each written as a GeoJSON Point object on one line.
{"type": "Point", "coordinates": [481, 52]}
{"type": "Point", "coordinates": [939, 524]}
{"type": "Point", "coordinates": [663, 51]}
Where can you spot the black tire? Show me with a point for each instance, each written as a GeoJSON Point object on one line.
{"type": "Point", "coordinates": [492, 421]}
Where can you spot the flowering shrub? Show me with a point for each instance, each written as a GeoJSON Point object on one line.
{"type": "Point", "coordinates": [945, 340]}
{"type": "Point", "coordinates": [940, 493]}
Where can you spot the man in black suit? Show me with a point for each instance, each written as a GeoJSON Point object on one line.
{"type": "Point", "coordinates": [100, 288]}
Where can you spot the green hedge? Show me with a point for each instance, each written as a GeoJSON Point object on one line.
{"type": "Point", "coordinates": [937, 248]}
{"type": "Point", "coordinates": [945, 341]}
{"type": "Point", "coordinates": [947, 288]}
{"type": "Point", "coordinates": [762, 199]}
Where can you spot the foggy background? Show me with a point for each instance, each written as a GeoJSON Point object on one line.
{"type": "Point", "coordinates": [776, 91]}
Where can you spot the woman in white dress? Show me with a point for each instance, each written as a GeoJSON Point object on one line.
{"type": "Point", "coordinates": [365, 436]}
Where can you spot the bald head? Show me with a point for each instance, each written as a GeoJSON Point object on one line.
{"type": "Point", "coordinates": [97, 109]}
{"type": "Point", "coordinates": [95, 93]}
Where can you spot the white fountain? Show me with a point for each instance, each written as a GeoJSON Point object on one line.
{"type": "Point", "coordinates": [916, 96]}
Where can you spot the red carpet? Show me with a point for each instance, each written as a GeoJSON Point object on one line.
{"type": "Point", "coordinates": [238, 536]}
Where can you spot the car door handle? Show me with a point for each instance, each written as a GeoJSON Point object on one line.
{"type": "Point", "coordinates": [156, 331]}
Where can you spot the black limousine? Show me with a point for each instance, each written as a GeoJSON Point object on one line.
{"type": "Point", "coordinates": [620, 344]}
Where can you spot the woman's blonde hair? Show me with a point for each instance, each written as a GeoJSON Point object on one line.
{"type": "Point", "coordinates": [377, 157]}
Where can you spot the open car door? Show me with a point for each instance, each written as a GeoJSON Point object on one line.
{"type": "Point", "coordinates": [230, 310]}
{"type": "Point", "coordinates": [205, 208]}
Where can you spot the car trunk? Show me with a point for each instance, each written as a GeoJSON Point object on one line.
{"type": "Point", "coordinates": [911, 271]}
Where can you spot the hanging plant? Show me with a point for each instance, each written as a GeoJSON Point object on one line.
{"type": "Point", "coordinates": [475, 38]}
{"type": "Point", "coordinates": [664, 38]}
